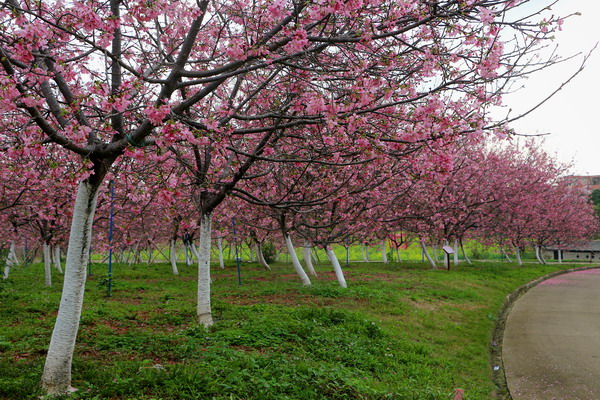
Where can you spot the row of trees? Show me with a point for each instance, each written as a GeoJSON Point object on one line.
{"type": "Point", "coordinates": [334, 120]}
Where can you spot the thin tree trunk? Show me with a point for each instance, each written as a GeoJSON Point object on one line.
{"type": "Point", "coordinates": [307, 255]}
{"type": "Point", "coordinates": [295, 262]}
{"type": "Point", "coordinates": [426, 254]}
{"type": "Point", "coordinates": [220, 247]}
{"type": "Point", "coordinates": [398, 255]}
{"type": "Point", "coordinates": [506, 255]}
{"type": "Point", "coordinates": [518, 256]}
{"type": "Point", "coordinates": [57, 262]}
{"type": "Point", "coordinates": [455, 252]}
{"type": "Point", "coordinates": [134, 256]}
{"type": "Point", "coordinates": [47, 265]}
{"type": "Point", "coordinates": [560, 258]}
{"type": "Point", "coordinates": [56, 378]}
{"type": "Point", "coordinates": [173, 257]}
{"type": "Point", "coordinates": [204, 311]}
{"type": "Point", "coordinates": [188, 260]}
{"type": "Point", "coordinates": [434, 250]}
{"type": "Point", "coordinates": [261, 256]}
{"type": "Point", "coordinates": [194, 250]}
{"type": "Point", "coordinates": [462, 248]}
{"type": "Point", "coordinates": [538, 255]}
{"type": "Point", "coordinates": [339, 274]}
{"type": "Point", "coordinates": [384, 251]}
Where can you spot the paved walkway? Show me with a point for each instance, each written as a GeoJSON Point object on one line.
{"type": "Point", "coordinates": [551, 347]}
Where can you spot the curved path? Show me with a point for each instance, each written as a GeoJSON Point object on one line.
{"type": "Point", "coordinates": [551, 346]}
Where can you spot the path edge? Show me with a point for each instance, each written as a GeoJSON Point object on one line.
{"type": "Point", "coordinates": [498, 373]}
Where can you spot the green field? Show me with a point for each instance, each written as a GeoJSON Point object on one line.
{"type": "Point", "coordinates": [400, 331]}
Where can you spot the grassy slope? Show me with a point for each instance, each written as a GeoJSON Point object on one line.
{"type": "Point", "coordinates": [398, 332]}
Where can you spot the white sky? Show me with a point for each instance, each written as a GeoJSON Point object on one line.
{"type": "Point", "coordinates": [572, 116]}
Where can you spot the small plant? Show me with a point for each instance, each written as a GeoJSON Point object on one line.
{"type": "Point", "coordinates": [269, 252]}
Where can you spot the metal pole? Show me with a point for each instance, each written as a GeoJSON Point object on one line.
{"type": "Point", "coordinates": [237, 257]}
{"type": "Point", "coordinates": [110, 236]}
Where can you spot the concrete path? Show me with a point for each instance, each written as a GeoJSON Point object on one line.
{"type": "Point", "coordinates": [551, 346]}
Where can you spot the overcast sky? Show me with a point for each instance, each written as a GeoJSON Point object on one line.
{"type": "Point", "coordinates": [572, 117]}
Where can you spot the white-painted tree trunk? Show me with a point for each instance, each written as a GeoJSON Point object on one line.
{"type": "Point", "coordinates": [194, 250]}
{"type": "Point", "coordinates": [339, 274]}
{"type": "Point", "coordinates": [518, 256]}
{"type": "Point", "coordinates": [398, 255]}
{"type": "Point", "coordinates": [384, 251]}
{"type": "Point", "coordinates": [506, 255]}
{"type": "Point", "coordinates": [455, 252]}
{"type": "Point", "coordinates": [434, 250]}
{"type": "Point", "coordinates": [295, 262]}
{"type": "Point", "coordinates": [188, 251]}
{"type": "Point", "coordinates": [173, 257]}
{"type": "Point", "coordinates": [47, 265]}
{"type": "Point", "coordinates": [467, 259]}
{"type": "Point", "coordinates": [261, 256]}
{"type": "Point", "coordinates": [10, 260]}
{"type": "Point", "coordinates": [56, 378]}
{"type": "Point", "coordinates": [426, 254]}
{"type": "Point", "coordinates": [307, 255]}
{"type": "Point", "coordinates": [541, 255]}
{"type": "Point", "coordinates": [364, 253]}
{"type": "Point", "coordinates": [204, 311]}
{"type": "Point", "coordinates": [538, 256]}
{"type": "Point", "coordinates": [560, 258]}
{"type": "Point", "coordinates": [220, 247]}
{"type": "Point", "coordinates": [57, 262]}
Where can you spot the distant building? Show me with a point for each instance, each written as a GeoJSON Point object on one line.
{"type": "Point", "coordinates": [580, 252]}
{"type": "Point", "coordinates": [591, 182]}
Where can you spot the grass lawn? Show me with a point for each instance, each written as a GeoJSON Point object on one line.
{"type": "Point", "coordinates": [399, 331]}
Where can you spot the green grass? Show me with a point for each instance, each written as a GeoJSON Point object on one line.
{"type": "Point", "coordinates": [400, 331]}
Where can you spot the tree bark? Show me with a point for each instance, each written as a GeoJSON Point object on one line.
{"type": "Point", "coordinates": [426, 254]}
{"type": "Point", "coordinates": [57, 262]}
{"type": "Point", "coordinates": [204, 311]}
{"type": "Point", "coordinates": [261, 257]}
{"type": "Point", "coordinates": [47, 265]}
{"type": "Point", "coordinates": [220, 247]}
{"type": "Point", "coordinates": [56, 378]}
{"type": "Point", "coordinates": [384, 252]}
{"type": "Point", "coordinates": [339, 274]}
{"type": "Point", "coordinates": [518, 256]}
{"type": "Point", "coordinates": [307, 255]}
{"type": "Point", "coordinates": [295, 262]}
{"type": "Point", "coordinates": [455, 252]}
{"type": "Point", "coordinates": [506, 255]}
{"type": "Point", "coordinates": [538, 256]}
{"type": "Point", "coordinates": [173, 257]}
{"type": "Point", "coordinates": [10, 260]}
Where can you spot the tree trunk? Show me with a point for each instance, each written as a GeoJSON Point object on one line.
{"type": "Point", "coordinates": [307, 255]}
{"type": "Point", "coordinates": [56, 378]}
{"type": "Point", "coordinates": [560, 258]}
{"type": "Point", "coordinates": [204, 311]}
{"type": "Point", "coordinates": [426, 254]}
{"type": "Point", "coordinates": [47, 265]}
{"type": "Point", "coordinates": [10, 260]}
{"type": "Point", "coordinates": [384, 251]}
{"type": "Point", "coordinates": [194, 250]}
{"type": "Point", "coordinates": [57, 262]}
{"type": "Point", "coordinates": [462, 248]}
{"type": "Point", "coordinates": [261, 257]}
{"type": "Point", "coordinates": [455, 252]}
{"type": "Point", "coordinates": [297, 266]}
{"type": "Point", "coordinates": [518, 256]}
{"type": "Point", "coordinates": [434, 250]}
{"type": "Point", "coordinates": [173, 257]}
{"type": "Point", "coordinates": [398, 255]}
{"type": "Point", "coordinates": [339, 274]}
{"type": "Point", "coordinates": [188, 260]}
{"type": "Point", "coordinates": [220, 246]}
{"type": "Point", "coordinates": [506, 255]}
{"type": "Point", "coordinates": [539, 255]}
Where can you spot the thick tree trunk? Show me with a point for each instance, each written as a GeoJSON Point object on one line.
{"type": "Point", "coordinates": [384, 251]}
{"type": "Point", "coordinates": [426, 254]}
{"type": "Point", "coordinates": [339, 274]}
{"type": "Point", "coordinates": [47, 265]}
{"type": "Point", "coordinates": [518, 256]}
{"type": "Point", "coordinates": [295, 262]}
{"type": "Point", "coordinates": [57, 262]}
{"type": "Point", "coordinates": [56, 378]}
{"type": "Point", "coordinates": [307, 255]}
{"type": "Point", "coordinates": [220, 247]}
{"type": "Point", "coordinates": [173, 257]}
{"type": "Point", "coordinates": [204, 311]}
{"type": "Point", "coordinates": [261, 256]}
